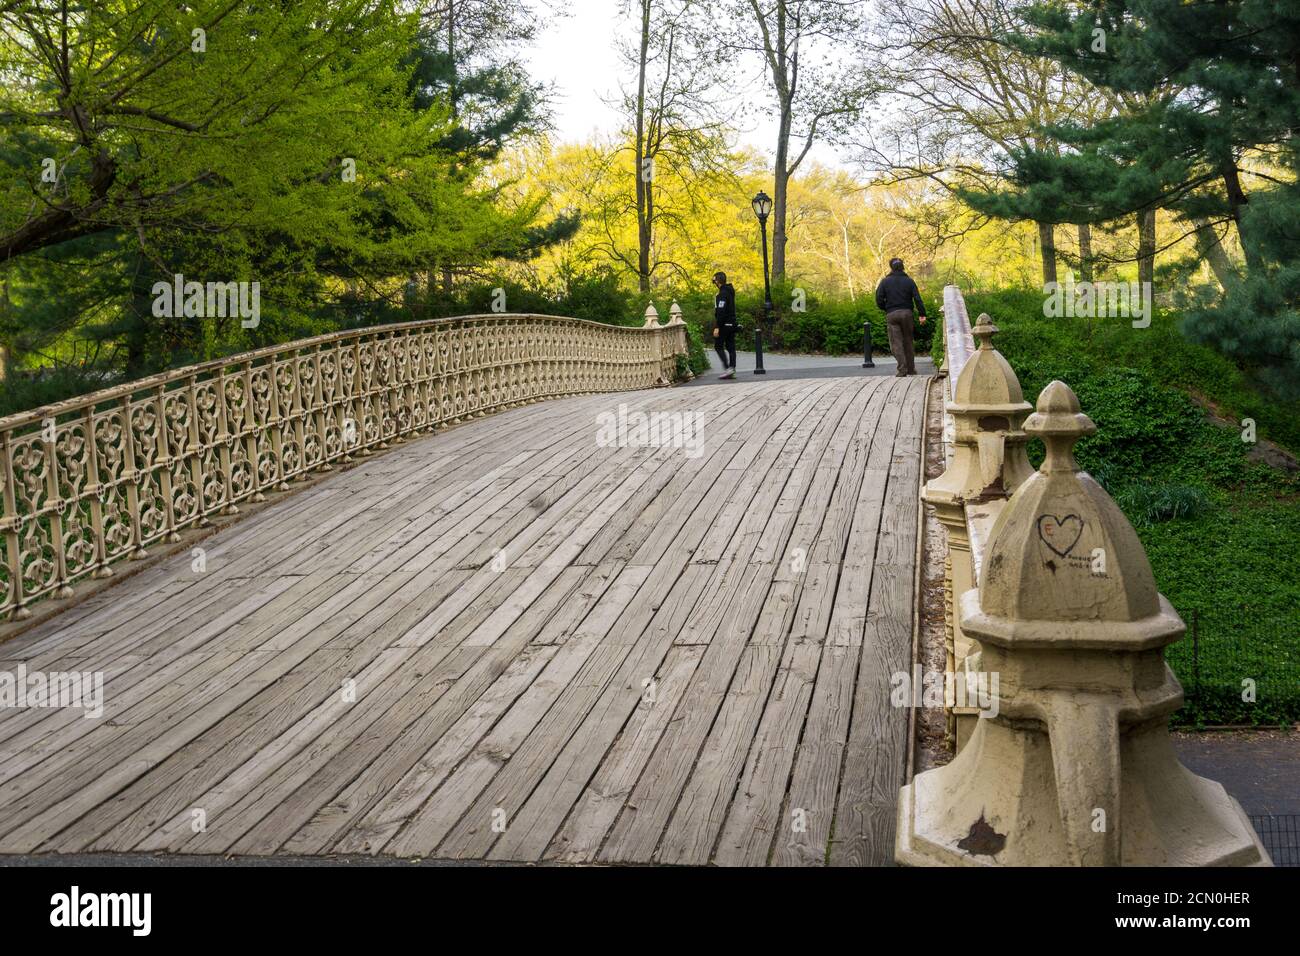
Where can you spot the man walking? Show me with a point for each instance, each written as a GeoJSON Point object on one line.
{"type": "Point", "coordinates": [895, 296]}
{"type": "Point", "coordinates": [724, 324]}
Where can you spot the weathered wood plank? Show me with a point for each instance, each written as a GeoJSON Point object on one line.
{"type": "Point", "coordinates": [590, 819]}
{"type": "Point", "coordinates": [638, 830]}
{"type": "Point", "coordinates": [814, 782]}
{"type": "Point", "coordinates": [756, 816]}
{"type": "Point", "coordinates": [876, 751]}
{"type": "Point", "coordinates": [506, 596]}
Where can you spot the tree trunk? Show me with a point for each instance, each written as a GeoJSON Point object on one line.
{"type": "Point", "coordinates": [134, 340]}
{"type": "Point", "coordinates": [1085, 252]}
{"type": "Point", "coordinates": [1236, 200]}
{"type": "Point", "coordinates": [782, 62]}
{"type": "Point", "coordinates": [452, 92]}
{"type": "Point", "coordinates": [1146, 247]}
{"type": "Point", "coordinates": [781, 189]}
{"type": "Point", "coordinates": [1212, 251]}
{"type": "Point", "coordinates": [168, 333]}
{"type": "Point", "coordinates": [1047, 248]}
{"type": "Point", "coordinates": [848, 263]}
{"type": "Point", "coordinates": [6, 316]}
{"type": "Point", "coordinates": [644, 168]}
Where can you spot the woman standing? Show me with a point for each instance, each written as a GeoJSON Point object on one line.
{"type": "Point", "coordinates": [724, 324]}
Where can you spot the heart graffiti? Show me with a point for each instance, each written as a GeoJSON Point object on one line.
{"type": "Point", "coordinates": [1060, 534]}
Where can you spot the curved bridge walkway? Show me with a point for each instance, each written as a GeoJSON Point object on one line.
{"type": "Point", "coordinates": [511, 641]}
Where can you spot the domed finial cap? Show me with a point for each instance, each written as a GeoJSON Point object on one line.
{"type": "Point", "coordinates": [1060, 423]}
{"type": "Point", "coordinates": [1062, 551]}
{"type": "Point", "coordinates": [988, 383]}
{"type": "Point", "coordinates": [984, 331]}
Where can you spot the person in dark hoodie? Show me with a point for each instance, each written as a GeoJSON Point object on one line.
{"type": "Point", "coordinates": [895, 296]}
{"type": "Point", "coordinates": [724, 324]}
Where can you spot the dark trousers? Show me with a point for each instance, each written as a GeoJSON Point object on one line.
{"type": "Point", "coordinates": [725, 346]}
{"type": "Point", "coordinates": [899, 324]}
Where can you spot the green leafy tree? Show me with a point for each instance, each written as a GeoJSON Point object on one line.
{"type": "Point", "coordinates": [1217, 148]}
{"type": "Point", "coordinates": [465, 61]}
{"type": "Point", "coordinates": [296, 145]}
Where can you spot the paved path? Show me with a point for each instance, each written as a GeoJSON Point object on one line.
{"type": "Point", "coordinates": [781, 365]}
{"type": "Point", "coordinates": [512, 641]}
{"type": "Point", "coordinates": [1262, 770]}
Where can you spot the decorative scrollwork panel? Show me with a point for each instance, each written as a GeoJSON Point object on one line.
{"type": "Point", "coordinates": [94, 479]}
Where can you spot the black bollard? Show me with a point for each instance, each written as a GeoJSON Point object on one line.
{"type": "Point", "coordinates": [758, 350]}
{"type": "Point", "coordinates": [866, 346]}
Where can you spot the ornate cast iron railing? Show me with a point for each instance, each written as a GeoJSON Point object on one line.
{"type": "Point", "coordinates": [97, 478]}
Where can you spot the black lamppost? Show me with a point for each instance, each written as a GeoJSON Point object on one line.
{"type": "Point", "coordinates": [762, 204]}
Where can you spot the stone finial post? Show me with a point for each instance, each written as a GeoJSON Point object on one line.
{"type": "Point", "coordinates": [988, 410]}
{"type": "Point", "coordinates": [1072, 764]}
{"type": "Point", "coordinates": [651, 316]}
{"type": "Point", "coordinates": [987, 462]}
{"type": "Point", "coordinates": [680, 345]}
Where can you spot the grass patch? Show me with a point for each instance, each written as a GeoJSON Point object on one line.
{"type": "Point", "coordinates": [1147, 504]}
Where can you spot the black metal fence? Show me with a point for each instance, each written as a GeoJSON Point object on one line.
{"type": "Point", "coordinates": [1280, 834]}
{"type": "Point", "coordinates": [1239, 666]}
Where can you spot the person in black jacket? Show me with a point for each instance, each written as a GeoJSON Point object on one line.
{"type": "Point", "coordinates": [895, 296]}
{"type": "Point", "coordinates": [724, 324]}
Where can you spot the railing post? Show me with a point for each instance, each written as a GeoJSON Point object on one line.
{"type": "Point", "coordinates": [279, 418]}
{"type": "Point", "coordinates": [131, 478]}
{"type": "Point", "coordinates": [195, 451]}
{"type": "Point", "coordinates": [1075, 696]}
{"type": "Point", "coordinates": [480, 376]}
{"type": "Point", "coordinates": [57, 506]}
{"type": "Point", "coordinates": [361, 398]}
{"type": "Point", "coordinates": [102, 570]}
{"type": "Point", "coordinates": [680, 344]}
{"type": "Point", "coordinates": [18, 609]}
{"type": "Point", "coordinates": [319, 413]}
{"type": "Point", "coordinates": [347, 412]}
{"type": "Point", "coordinates": [250, 435]}
{"type": "Point", "coordinates": [224, 440]}
{"type": "Point", "coordinates": [402, 387]}
{"type": "Point", "coordinates": [170, 536]}
{"type": "Point", "coordinates": [987, 461]}
{"type": "Point", "coordinates": [421, 386]}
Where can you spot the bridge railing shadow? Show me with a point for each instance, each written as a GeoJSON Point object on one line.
{"type": "Point", "coordinates": [97, 479]}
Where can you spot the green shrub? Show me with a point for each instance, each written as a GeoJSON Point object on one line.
{"type": "Point", "coordinates": [696, 359]}
{"type": "Point", "coordinates": [1149, 504]}
{"type": "Point", "coordinates": [1071, 346]}
{"type": "Point", "coordinates": [835, 326]}
{"type": "Point", "coordinates": [23, 391]}
{"type": "Point", "coordinates": [599, 297]}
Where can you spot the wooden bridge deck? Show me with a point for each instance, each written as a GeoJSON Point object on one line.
{"type": "Point", "coordinates": [507, 642]}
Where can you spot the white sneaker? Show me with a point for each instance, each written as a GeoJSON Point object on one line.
{"type": "Point", "coordinates": [729, 373]}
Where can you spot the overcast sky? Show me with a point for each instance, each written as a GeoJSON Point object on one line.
{"type": "Point", "coordinates": [577, 55]}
